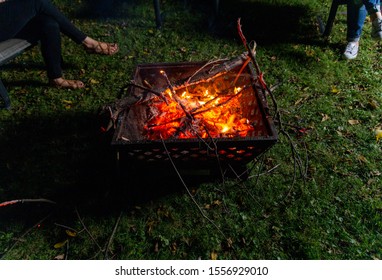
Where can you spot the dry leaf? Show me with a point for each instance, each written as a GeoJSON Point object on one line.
{"type": "Point", "coordinates": [325, 117]}
{"type": "Point", "coordinates": [60, 244]}
{"type": "Point", "coordinates": [67, 104]}
{"type": "Point", "coordinates": [354, 122]}
{"type": "Point", "coordinates": [71, 233]}
{"type": "Point", "coordinates": [378, 134]}
{"type": "Point", "coordinates": [150, 226]}
{"type": "Point", "coordinates": [298, 101]}
{"type": "Point", "coordinates": [174, 247]}
{"type": "Point", "coordinates": [310, 53]}
{"type": "Point", "coordinates": [214, 255]}
{"type": "Point", "coordinates": [93, 81]}
{"type": "Point", "coordinates": [217, 202]}
{"type": "Point", "coordinates": [229, 242]}
{"type": "Point", "coordinates": [60, 257]}
{"type": "Point", "coordinates": [334, 89]}
{"type": "Point", "coordinates": [373, 104]}
{"type": "Point", "coordinates": [362, 159]}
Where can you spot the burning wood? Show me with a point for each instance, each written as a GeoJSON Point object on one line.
{"type": "Point", "coordinates": [199, 111]}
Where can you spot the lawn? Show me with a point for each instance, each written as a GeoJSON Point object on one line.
{"type": "Point", "coordinates": [316, 194]}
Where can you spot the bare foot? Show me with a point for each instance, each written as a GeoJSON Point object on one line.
{"type": "Point", "coordinates": [93, 46]}
{"type": "Point", "coordinates": [69, 84]}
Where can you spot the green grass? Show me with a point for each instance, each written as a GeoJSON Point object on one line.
{"type": "Point", "coordinates": [51, 146]}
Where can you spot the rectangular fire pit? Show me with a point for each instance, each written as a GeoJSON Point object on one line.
{"type": "Point", "coordinates": [220, 117]}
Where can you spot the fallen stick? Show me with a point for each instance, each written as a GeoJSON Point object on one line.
{"type": "Point", "coordinates": [7, 203]}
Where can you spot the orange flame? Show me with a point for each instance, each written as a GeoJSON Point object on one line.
{"type": "Point", "coordinates": [213, 115]}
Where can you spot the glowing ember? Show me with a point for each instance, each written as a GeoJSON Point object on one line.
{"type": "Point", "coordinates": [205, 110]}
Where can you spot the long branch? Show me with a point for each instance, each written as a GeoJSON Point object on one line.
{"type": "Point", "coordinates": [213, 73]}
{"type": "Point", "coordinates": [7, 203]}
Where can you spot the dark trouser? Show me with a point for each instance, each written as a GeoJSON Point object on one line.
{"type": "Point", "coordinates": [35, 20]}
{"type": "Point", "coordinates": [356, 16]}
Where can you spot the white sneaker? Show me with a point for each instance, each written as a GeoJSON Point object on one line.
{"type": "Point", "coordinates": [351, 50]}
{"type": "Point", "coordinates": [376, 29]}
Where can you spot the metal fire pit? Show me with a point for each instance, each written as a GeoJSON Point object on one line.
{"type": "Point", "coordinates": [130, 142]}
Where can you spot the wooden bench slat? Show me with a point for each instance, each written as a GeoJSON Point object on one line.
{"type": "Point", "coordinates": [8, 50]}
{"type": "Point", "coordinates": [11, 48]}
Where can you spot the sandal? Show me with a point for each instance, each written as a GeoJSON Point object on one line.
{"type": "Point", "coordinates": [68, 84]}
{"type": "Point", "coordinates": [103, 48]}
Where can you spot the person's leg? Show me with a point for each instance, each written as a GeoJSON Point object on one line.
{"type": "Point", "coordinates": [356, 15]}
{"type": "Point", "coordinates": [46, 30]}
{"type": "Point", "coordinates": [45, 7]}
{"type": "Point", "coordinates": [67, 28]}
{"type": "Point", "coordinates": [51, 52]}
{"type": "Point", "coordinates": [16, 14]}
{"type": "Point", "coordinates": [374, 9]}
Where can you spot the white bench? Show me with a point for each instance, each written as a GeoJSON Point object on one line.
{"type": "Point", "coordinates": [9, 49]}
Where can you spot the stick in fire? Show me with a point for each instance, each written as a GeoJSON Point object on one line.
{"type": "Point", "coordinates": [175, 96]}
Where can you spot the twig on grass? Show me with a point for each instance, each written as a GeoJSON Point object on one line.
{"type": "Point", "coordinates": [266, 172]}
{"type": "Point", "coordinates": [67, 250]}
{"type": "Point", "coordinates": [86, 229]}
{"type": "Point", "coordinates": [112, 236]}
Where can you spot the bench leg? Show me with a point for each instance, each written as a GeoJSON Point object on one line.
{"type": "Point", "coordinates": [332, 16]}
{"type": "Point", "coordinates": [4, 96]}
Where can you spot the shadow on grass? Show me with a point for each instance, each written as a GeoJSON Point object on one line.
{"type": "Point", "coordinates": [65, 158]}
{"type": "Point", "coordinates": [100, 9]}
{"type": "Point", "coordinates": [25, 83]}
{"type": "Point", "coordinates": [263, 22]}
{"type": "Point", "coordinates": [267, 23]}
